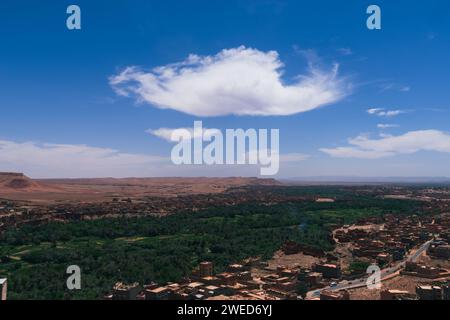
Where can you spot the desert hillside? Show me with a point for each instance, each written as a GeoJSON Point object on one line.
{"type": "Point", "coordinates": [17, 186]}
{"type": "Point", "coordinates": [16, 181]}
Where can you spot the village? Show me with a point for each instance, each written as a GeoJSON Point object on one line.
{"type": "Point", "coordinates": [414, 248]}
{"type": "Point", "coordinates": [411, 251]}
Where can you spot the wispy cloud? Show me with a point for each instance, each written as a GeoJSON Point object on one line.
{"type": "Point", "coordinates": [239, 81]}
{"type": "Point", "coordinates": [395, 87]}
{"type": "Point", "coordinates": [408, 143]}
{"type": "Point", "coordinates": [49, 160]}
{"type": "Point", "coordinates": [381, 112]}
{"type": "Point", "coordinates": [69, 160]}
{"type": "Point", "coordinates": [387, 125]}
{"type": "Point", "coordinates": [166, 133]}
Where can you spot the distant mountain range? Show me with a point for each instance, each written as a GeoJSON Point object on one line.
{"type": "Point", "coordinates": [364, 180]}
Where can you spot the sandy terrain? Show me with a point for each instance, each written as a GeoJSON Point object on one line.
{"type": "Point", "coordinates": [290, 261]}
{"type": "Point", "coordinates": [437, 263]}
{"type": "Point", "coordinates": [403, 283]}
{"type": "Point", "coordinates": [16, 186]}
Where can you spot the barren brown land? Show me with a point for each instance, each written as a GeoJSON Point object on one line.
{"type": "Point", "coordinates": [17, 186]}
{"type": "Point", "coordinates": [267, 240]}
{"type": "Point", "coordinates": [401, 283]}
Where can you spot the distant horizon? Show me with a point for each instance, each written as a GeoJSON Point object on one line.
{"type": "Point", "coordinates": [305, 179]}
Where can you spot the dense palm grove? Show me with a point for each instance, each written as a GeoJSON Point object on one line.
{"type": "Point", "coordinates": [35, 258]}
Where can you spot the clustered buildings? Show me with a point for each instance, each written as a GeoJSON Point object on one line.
{"type": "Point", "coordinates": [397, 236]}
{"type": "Point", "coordinates": [423, 292]}
{"type": "Point", "coordinates": [237, 283]}
{"type": "Point", "coordinates": [393, 243]}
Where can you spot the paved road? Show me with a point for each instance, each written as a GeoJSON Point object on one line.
{"type": "Point", "coordinates": [385, 273]}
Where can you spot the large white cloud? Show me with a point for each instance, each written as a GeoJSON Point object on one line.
{"type": "Point", "coordinates": [387, 145]}
{"type": "Point", "coordinates": [239, 81]}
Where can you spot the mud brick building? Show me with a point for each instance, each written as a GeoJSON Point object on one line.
{"type": "Point", "coordinates": [122, 291]}
{"type": "Point", "coordinates": [396, 295]}
{"type": "Point", "coordinates": [3, 289]}
{"type": "Point", "coordinates": [206, 269]}
{"type": "Point", "coordinates": [334, 295]}
{"type": "Point", "coordinates": [330, 271]}
{"type": "Point", "coordinates": [429, 292]}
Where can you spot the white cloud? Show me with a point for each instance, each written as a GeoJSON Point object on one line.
{"type": "Point", "coordinates": [166, 133]}
{"type": "Point", "coordinates": [374, 110]}
{"type": "Point", "coordinates": [386, 125]}
{"type": "Point", "coordinates": [48, 160]}
{"type": "Point", "coordinates": [385, 113]}
{"type": "Point", "coordinates": [387, 145]}
{"type": "Point", "coordinates": [390, 113]}
{"type": "Point", "coordinates": [405, 89]}
{"type": "Point", "coordinates": [68, 160]}
{"type": "Point", "coordinates": [284, 157]}
{"type": "Point", "coordinates": [239, 81]}
{"type": "Point", "coordinates": [351, 152]}
{"type": "Point", "coordinates": [394, 87]}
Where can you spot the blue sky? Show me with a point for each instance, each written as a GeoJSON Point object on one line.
{"type": "Point", "coordinates": [62, 116]}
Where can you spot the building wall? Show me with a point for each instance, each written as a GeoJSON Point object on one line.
{"type": "Point", "coordinates": [4, 290]}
